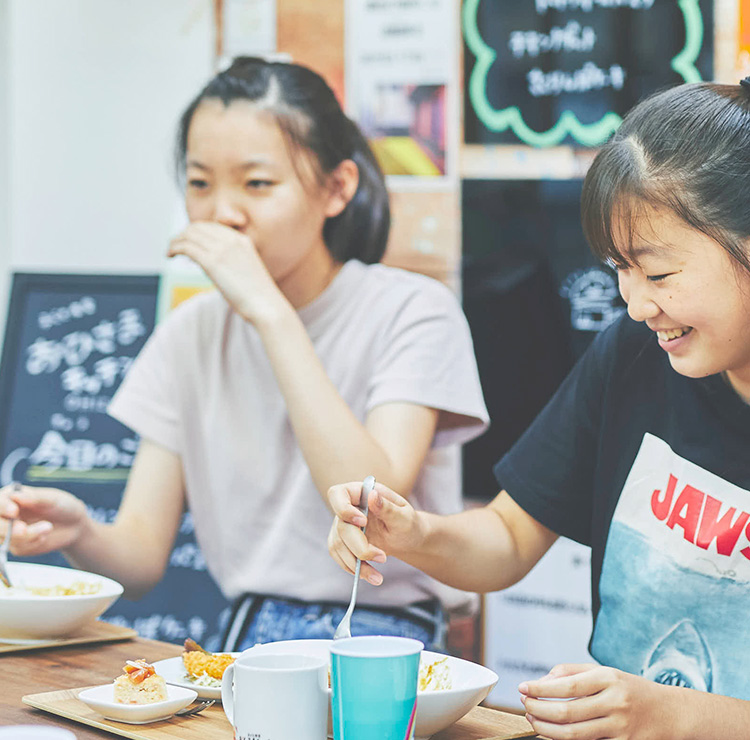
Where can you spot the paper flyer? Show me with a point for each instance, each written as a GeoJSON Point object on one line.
{"type": "Point", "coordinates": [401, 85]}
{"type": "Point", "coordinates": [248, 28]}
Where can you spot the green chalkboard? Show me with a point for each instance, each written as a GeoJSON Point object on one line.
{"type": "Point", "coordinates": [550, 72]}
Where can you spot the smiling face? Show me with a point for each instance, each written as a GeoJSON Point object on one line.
{"type": "Point", "coordinates": [240, 173]}
{"type": "Point", "coordinates": [691, 293]}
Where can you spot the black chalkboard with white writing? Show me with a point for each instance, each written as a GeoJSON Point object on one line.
{"type": "Point", "coordinates": [70, 340]}
{"type": "Point", "coordinates": [550, 72]}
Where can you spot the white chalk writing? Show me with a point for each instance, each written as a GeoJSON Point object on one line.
{"type": "Point", "coordinates": [47, 355]}
{"type": "Point", "coordinates": [589, 77]}
{"type": "Point", "coordinates": [542, 6]}
{"type": "Point", "coordinates": [571, 37]}
{"type": "Point", "coordinates": [188, 556]}
{"type": "Point", "coordinates": [165, 627]}
{"type": "Point", "coordinates": [55, 451]}
{"type": "Point", "coordinates": [85, 306]}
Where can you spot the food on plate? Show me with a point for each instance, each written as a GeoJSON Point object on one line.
{"type": "Point", "coordinates": [203, 667]}
{"type": "Point", "coordinates": [77, 588]}
{"type": "Point", "coordinates": [139, 684]}
{"type": "Point", "coordinates": [434, 676]}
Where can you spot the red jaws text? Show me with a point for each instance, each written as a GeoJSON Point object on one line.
{"type": "Point", "coordinates": [697, 514]}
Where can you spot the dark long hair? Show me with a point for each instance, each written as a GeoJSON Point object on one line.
{"type": "Point", "coordinates": [686, 149]}
{"type": "Point", "coordinates": [310, 118]}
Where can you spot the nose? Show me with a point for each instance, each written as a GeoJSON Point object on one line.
{"type": "Point", "coordinates": [635, 291]}
{"type": "Point", "coordinates": [228, 212]}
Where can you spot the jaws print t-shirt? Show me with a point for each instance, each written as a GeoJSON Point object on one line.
{"type": "Point", "coordinates": [675, 581]}
{"type": "Point", "coordinates": [652, 470]}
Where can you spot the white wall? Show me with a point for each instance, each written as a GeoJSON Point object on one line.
{"type": "Point", "coordinates": [4, 156]}
{"type": "Point", "coordinates": [94, 90]}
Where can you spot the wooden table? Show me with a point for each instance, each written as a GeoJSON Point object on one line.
{"type": "Point", "coordinates": [52, 669]}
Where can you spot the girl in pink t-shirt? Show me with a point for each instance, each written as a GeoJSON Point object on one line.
{"type": "Point", "coordinates": [281, 190]}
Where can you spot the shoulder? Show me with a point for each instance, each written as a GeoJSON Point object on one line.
{"type": "Point", "coordinates": [206, 307]}
{"type": "Point", "coordinates": [196, 318]}
{"type": "Point", "coordinates": [404, 287]}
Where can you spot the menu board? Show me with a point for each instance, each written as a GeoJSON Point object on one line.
{"type": "Point", "coordinates": [550, 72]}
{"type": "Point", "coordinates": [70, 340]}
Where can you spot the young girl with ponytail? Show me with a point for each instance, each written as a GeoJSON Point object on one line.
{"type": "Point", "coordinates": [309, 365]}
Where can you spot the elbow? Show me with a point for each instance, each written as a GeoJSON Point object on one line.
{"type": "Point", "coordinates": [144, 581]}
{"type": "Point", "coordinates": [136, 591]}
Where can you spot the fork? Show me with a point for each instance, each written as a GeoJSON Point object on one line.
{"type": "Point", "coordinates": [344, 629]}
{"type": "Point", "coordinates": [195, 708]}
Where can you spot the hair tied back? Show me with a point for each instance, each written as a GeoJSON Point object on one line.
{"type": "Point", "coordinates": [746, 83]}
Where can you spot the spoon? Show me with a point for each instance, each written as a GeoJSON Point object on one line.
{"type": "Point", "coordinates": [344, 628]}
{"type": "Point", "coordinates": [5, 544]}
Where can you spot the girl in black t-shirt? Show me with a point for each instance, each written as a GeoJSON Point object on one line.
{"type": "Point", "coordinates": [666, 202]}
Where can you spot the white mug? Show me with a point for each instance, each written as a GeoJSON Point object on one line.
{"type": "Point", "coordinates": [276, 697]}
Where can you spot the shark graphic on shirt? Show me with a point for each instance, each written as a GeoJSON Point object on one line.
{"type": "Point", "coordinates": [675, 580]}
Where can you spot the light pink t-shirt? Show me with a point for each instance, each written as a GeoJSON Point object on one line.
{"type": "Point", "coordinates": [204, 388]}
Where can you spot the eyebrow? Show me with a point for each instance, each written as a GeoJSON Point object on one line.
{"type": "Point", "coordinates": [248, 165]}
{"type": "Point", "coordinates": [648, 250]}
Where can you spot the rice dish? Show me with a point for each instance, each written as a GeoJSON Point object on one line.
{"type": "Point", "coordinates": [76, 588]}
{"type": "Point", "coordinates": [435, 676]}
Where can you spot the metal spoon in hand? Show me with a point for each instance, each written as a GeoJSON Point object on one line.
{"type": "Point", "coordinates": [344, 628]}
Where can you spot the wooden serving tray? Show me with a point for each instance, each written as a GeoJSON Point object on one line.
{"type": "Point", "coordinates": [211, 722]}
{"type": "Point", "coordinates": [95, 632]}
{"type": "Point", "coordinates": [487, 724]}
{"type": "Point", "coordinates": [479, 724]}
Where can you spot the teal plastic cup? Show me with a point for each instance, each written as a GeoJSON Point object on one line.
{"type": "Point", "coordinates": [374, 687]}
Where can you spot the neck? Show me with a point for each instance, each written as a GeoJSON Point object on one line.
{"type": "Point", "coordinates": [309, 278]}
{"type": "Point", "coordinates": [740, 384]}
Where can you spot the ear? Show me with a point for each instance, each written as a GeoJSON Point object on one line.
{"type": "Point", "coordinates": [342, 184]}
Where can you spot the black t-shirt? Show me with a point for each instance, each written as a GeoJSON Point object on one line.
{"type": "Point", "coordinates": [652, 470]}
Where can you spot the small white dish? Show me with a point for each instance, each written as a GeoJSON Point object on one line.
{"type": "Point", "coordinates": [174, 673]}
{"type": "Point", "coordinates": [102, 700]}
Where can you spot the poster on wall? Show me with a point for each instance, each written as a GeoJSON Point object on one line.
{"type": "Point", "coordinates": [401, 84]}
{"type": "Point", "coordinates": [743, 40]}
{"type": "Point", "coordinates": [70, 341]}
{"type": "Point", "coordinates": [550, 72]}
{"type": "Point", "coordinates": [247, 28]}
{"type": "Point", "coordinates": [543, 620]}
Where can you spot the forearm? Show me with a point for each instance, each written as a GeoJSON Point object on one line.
{"type": "Point", "coordinates": [473, 550]}
{"type": "Point", "coordinates": [120, 552]}
{"type": "Point", "coordinates": [335, 443]}
{"type": "Point", "coordinates": [696, 715]}
{"type": "Point", "coordinates": [135, 548]}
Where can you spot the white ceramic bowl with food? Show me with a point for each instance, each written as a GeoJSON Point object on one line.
{"type": "Point", "coordinates": [469, 683]}
{"type": "Point", "coordinates": [47, 602]}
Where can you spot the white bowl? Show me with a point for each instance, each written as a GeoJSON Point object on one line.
{"type": "Point", "coordinates": [436, 710]}
{"type": "Point", "coordinates": [27, 618]}
{"type": "Point", "coordinates": [102, 700]}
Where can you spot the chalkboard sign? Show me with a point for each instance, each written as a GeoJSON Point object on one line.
{"type": "Point", "coordinates": [549, 72]}
{"type": "Point", "coordinates": [70, 340]}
